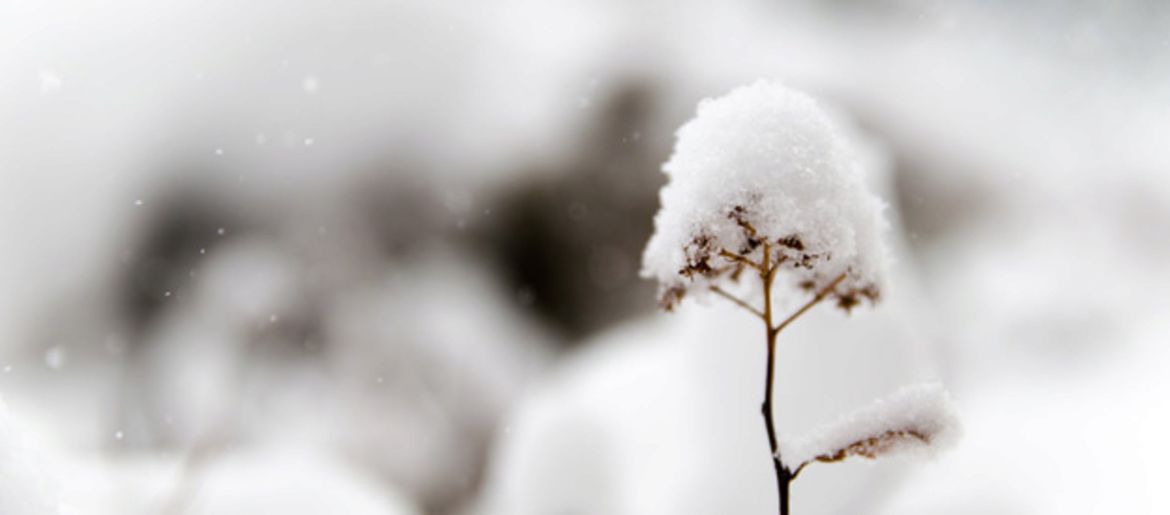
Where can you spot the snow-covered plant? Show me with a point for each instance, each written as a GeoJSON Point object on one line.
{"type": "Point", "coordinates": [916, 418]}
{"type": "Point", "coordinates": [761, 185]}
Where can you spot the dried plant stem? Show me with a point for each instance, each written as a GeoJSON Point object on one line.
{"type": "Point", "coordinates": [738, 301]}
{"type": "Point", "coordinates": [824, 292]}
{"type": "Point", "coordinates": [783, 475]}
{"type": "Point", "coordinates": [736, 258]}
{"type": "Point", "coordinates": [767, 269]}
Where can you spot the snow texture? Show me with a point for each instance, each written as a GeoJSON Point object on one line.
{"type": "Point", "coordinates": [27, 487]}
{"type": "Point", "coordinates": [916, 418]}
{"type": "Point", "coordinates": [768, 157]}
{"type": "Point", "coordinates": [295, 480]}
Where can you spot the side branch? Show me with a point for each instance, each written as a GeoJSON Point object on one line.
{"type": "Point", "coordinates": [731, 256]}
{"type": "Point", "coordinates": [869, 447]}
{"type": "Point", "coordinates": [738, 301]}
{"type": "Point", "coordinates": [771, 275]}
{"type": "Point", "coordinates": [796, 472]}
{"type": "Point", "coordinates": [824, 292]}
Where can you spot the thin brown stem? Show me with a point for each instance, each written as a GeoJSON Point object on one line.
{"type": "Point", "coordinates": [775, 268]}
{"type": "Point", "coordinates": [796, 473]}
{"type": "Point", "coordinates": [783, 477]}
{"type": "Point", "coordinates": [824, 292]}
{"type": "Point", "coordinates": [731, 256]}
{"type": "Point", "coordinates": [767, 269]}
{"type": "Point", "coordinates": [738, 301]}
{"type": "Point", "coordinates": [784, 474]}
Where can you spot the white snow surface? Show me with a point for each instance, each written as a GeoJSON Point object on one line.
{"type": "Point", "coordinates": [775, 153]}
{"type": "Point", "coordinates": [923, 409]}
{"type": "Point", "coordinates": [28, 485]}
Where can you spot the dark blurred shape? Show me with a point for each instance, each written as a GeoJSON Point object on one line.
{"type": "Point", "coordinates": [572, 243]}
{"type": "Point", "coordinates": [161, 265]}
{"type": "Point", "coordinates": [403, 212]}
{"type": "Point", "coordinates": [933, 202]}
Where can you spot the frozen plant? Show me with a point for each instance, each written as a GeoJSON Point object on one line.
{"type": "Point", "coordinates": [761, 185]}
{"type": "Point", "coordinates": [916, 418]}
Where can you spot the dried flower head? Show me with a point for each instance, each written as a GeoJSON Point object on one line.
{"type": "Point", "coordinates": [764, 166]}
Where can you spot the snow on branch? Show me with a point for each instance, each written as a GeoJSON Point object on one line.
{"type": "Point", "coordinates": [761, 182]}
{"type": "Point", "coordinates": [764, 166]}
{"type": "Point", "coordinates": [917, 418]}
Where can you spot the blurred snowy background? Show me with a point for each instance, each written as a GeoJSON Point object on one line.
{"type": "Point", "coordinates": [380, 257]}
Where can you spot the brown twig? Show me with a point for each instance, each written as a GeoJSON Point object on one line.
{"type": "Point", "coordinates": [784, 475]}
{"type": "Point", "coordinates": [775, 268]}
{"type": "Point", "coordinates": [796, 472]}
{"type": "Point", "coordinates": [767, 270]}
{"type": "Point", "coordinates": [869, 447]}
{"type": "Point", "coordinates": [739, 259]}
{"type": "Point", "coordinates": [824, 292]}
{"type": "Point", "coordinates": [738, 301]}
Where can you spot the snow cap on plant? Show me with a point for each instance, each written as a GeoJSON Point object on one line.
{"type": "Point", "coordinates": [765, 164]}
{"type": "Point", "coordinates": [918, 419]}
